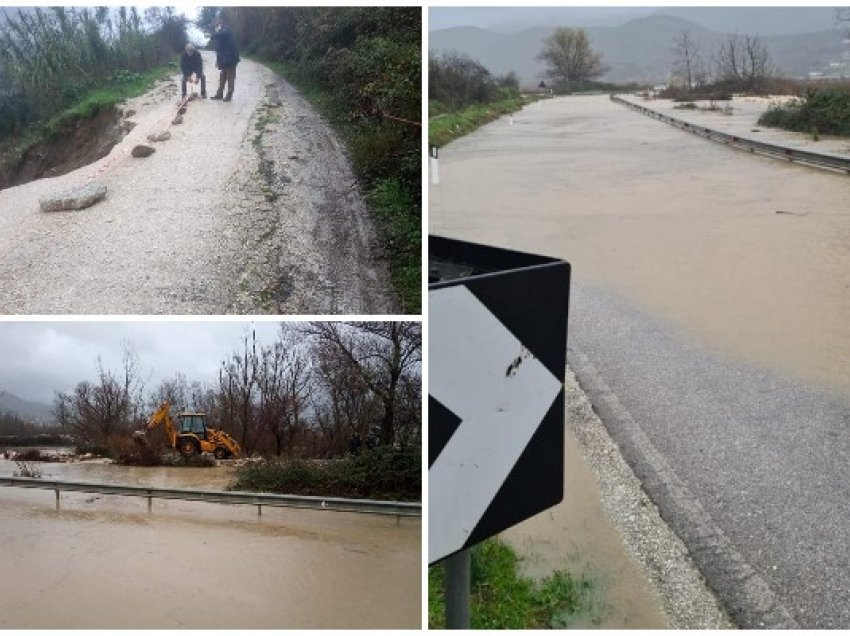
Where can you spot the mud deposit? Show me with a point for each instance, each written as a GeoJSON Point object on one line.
{"type": "Point", "coordinates": [685, 229]}
{"type": "Point", "coordinates": [104, 562]}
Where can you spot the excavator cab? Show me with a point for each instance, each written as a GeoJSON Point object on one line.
{"type": "Point", "coordinates": [193, 423]}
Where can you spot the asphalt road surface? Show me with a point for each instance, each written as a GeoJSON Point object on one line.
{"type": "Point", "coordinates": [250, 207]}
{"type": "Point", "coordinates": [711, 334]}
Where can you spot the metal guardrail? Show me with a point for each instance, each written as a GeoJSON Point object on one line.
{"type": "Point", "coordinates": [743, 143]}
{"type": "Point", "coordinates": [397, 509]}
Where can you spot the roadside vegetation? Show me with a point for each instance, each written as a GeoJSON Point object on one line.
{"type": "Point", "coordinates": [60, 65]}
{"type": "Point", "coordinates": [743, 65]}
{"type": "Point", "coordinates": [503, 599]}
{"type": "Point", "coordinates": [361, 68]}
{"type": "Point", "coordinates": [464, 95]}
{"type": "Point", "coordinates": [381, 473]}
{"type": "Point", "coordinates": [824, 110]}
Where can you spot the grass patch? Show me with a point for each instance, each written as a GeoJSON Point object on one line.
{"type": "Point", "coordinates": [123, 85]}
{"type": "Point", "coordinates": [383, 473]}
{"type": "Point", "coordinates": [396, 206]}
{"type": "Point", "coordinates": [445, 126]}
{"type": "Point", "coordinates": [502, 599]}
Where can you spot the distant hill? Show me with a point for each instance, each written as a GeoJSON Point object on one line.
{"type": "Point", "coordinates": [639, 50]}
{"type": "Point", "coordinates": [37, 412]}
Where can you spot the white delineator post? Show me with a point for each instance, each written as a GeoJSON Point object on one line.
{"type": "Point", "coordinates": [435, 168]}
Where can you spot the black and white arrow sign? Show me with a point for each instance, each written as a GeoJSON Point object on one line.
{"type": "Point", "coordinates": [480, 372]}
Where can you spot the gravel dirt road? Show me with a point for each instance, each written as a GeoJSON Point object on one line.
{"type": "Point", "coordinates": [250, 207]}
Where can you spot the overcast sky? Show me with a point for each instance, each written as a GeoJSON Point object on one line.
{"type": "Point", "coordinates": [761, 20]}
{"type": "Point", "coordinates": [38, 358]}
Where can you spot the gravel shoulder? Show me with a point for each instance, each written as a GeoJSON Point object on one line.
{"type": "Point", "coordinates": [684, 596]}
{"type": "Point", "coordinates": [608, 530]}
{"type": "Point", "coordinates": [250, 207]}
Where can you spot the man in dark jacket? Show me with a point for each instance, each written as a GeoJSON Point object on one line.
{"type": "Point", "coordinates": [226, 59]}
{"type": "Point", "coordinates": [191, 63]}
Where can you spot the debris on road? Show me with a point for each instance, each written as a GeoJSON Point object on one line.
{"type": "Point", "coordinates": [75, 199]}
{"type": "Point", "coordinates": [160, 136]}
{"type": "Point", "coordinates": [142, 151]}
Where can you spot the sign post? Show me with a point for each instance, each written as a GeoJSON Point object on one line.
{"type": "Point", "coordinates": [457, 590]}
{"type": "Point", "coordinates": [497, 354]}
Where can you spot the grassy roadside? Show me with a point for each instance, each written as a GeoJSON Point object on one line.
{"type": "Point", "coordinates": [123, 85]}
{"type": "Point", "coordinates": [396, 210]}
{"type": "Point", "coordinates": [502, 599]}
{"type": "Point", "coordinates": [445, 126]}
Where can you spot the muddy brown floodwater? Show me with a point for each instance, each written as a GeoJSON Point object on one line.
{"type": "Point", "coordinates": [105, 562]}
{"type": "Point", "coordinates": [576, 536]}
{"type": "Point", "coordinates": [686, 229]}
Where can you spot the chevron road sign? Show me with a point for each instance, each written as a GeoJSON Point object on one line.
{"type": "Point", "coordinates": [497, 351]}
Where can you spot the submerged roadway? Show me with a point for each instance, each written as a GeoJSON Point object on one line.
{"type": "Point", "coordinates": [710, 332]}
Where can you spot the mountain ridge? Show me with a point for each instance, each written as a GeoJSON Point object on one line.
{"type": "Point", "coordinates": [639, 50]}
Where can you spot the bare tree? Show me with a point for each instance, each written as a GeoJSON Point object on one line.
{"type": "Point", "coordinates": [96, 413]}
{"type": "Point", "coordinates": [569, 58]}
{"type": "Point", "coordinates": [239, 377]}
{"type": "Point", "coordinates": [688, 63]}
{"type": "Point", "coordinates": [284, 383]}
{"type": "Point", "coordinates": [133, 383]}
{"type": "Point", "coordinates": [744, 60]}
{"type": "Point", "coordinates": [377, 354]}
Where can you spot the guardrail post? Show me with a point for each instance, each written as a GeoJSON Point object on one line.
{"type": "Point", "coordinates": [57, 499]}
{"type": "Point", "coordinates": [150, 502]}
{"type": "Point", "coordinates": [398, 520]}
{"type": "Point", "coordinates": [259, 510]}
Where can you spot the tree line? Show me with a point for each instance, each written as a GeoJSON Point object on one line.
{"type": "Point", "coordinates": [362, 68]}
{"type": "Point", "coordinates": [741, 62]}
{"type": "Point", "coordinates": [52, 57]}
{"type": "Point", "coordinates": [307, 394]}
{"type": "Point", "coordinates": [368, 59]}
{"type": "Point", "coordinates": [456, 81]}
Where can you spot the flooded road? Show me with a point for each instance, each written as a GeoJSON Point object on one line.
{"type": "Point", "coordinates": [104, 562]}
{"type": "Point", "coordinates": [683, 228]}
{"type": "Point", "coordinates": [711, 293]}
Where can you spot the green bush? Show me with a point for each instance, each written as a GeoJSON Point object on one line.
{"type": "Point", "coordinates": [382, 473]}
{"type": "Point", "coordinates": [826, 110]}
{"type": "Point", "coordinates": [51, 58]}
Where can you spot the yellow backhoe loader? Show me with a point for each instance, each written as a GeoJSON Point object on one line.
{"type": "Point", "coordinates": [191, 436]}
